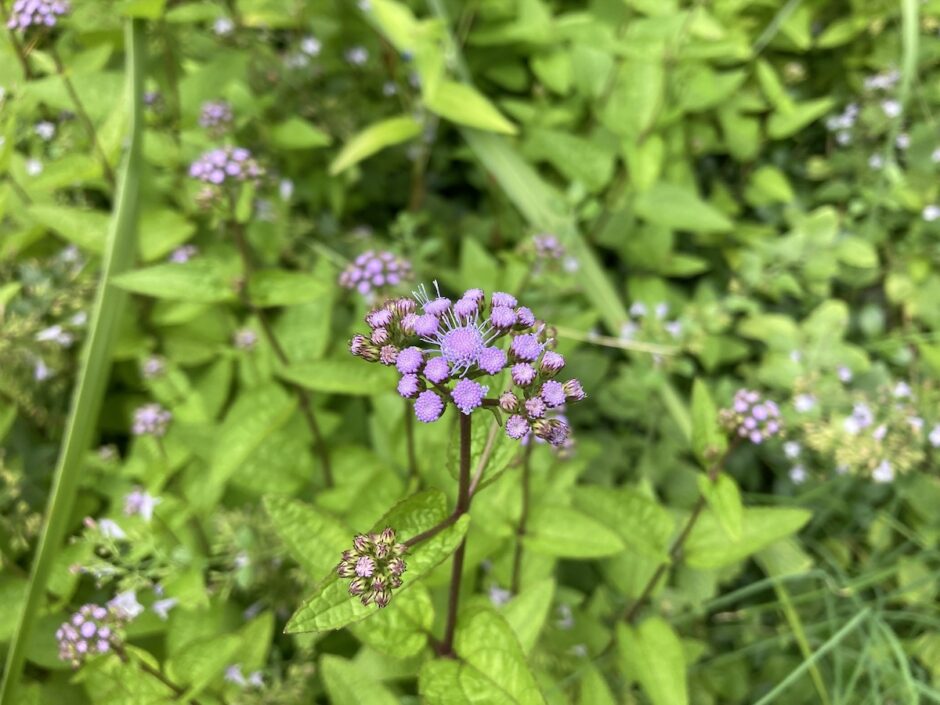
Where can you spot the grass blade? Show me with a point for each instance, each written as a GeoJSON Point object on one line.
{"type": "Point", "coordinates": [93, 372]}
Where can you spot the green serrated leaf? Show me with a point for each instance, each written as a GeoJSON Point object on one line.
{"type": "Point", "coordinates": [202, 280]}
{"type": "Point", "coordinates": [465, 105]}
{"type": "Point", "coordinates": [348, 684]}
{"type": "Point", "coordinates": [724, 499]}
{"type": "Point", "coordinates": [312, 538]}
{"type": "Point", "coordinates": [652, 655]}
{"type": "Point", "coordinates": [566, 532]}
{"type": "Point", "coordinates": [341, 376]}
{"type": "Point", "coordinates": [276, 287]}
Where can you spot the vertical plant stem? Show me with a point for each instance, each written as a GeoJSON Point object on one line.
{"type": "Point", "coordinates": [303, 397]}
{"type": "Point", "coordinates": [93, 374]}
{"type": "Point", "coordinates": [676, 548]}
{"type": "Point", "coordinates": [410, 442]}
{"type": "Point", "coordinates": [82, 114]}
{"type": "Point", "coordinates": [523, 517]}
{"type": "Point", "coordinates": [463, 504]}
{"type": "Point", "coordinates": [17, 44]}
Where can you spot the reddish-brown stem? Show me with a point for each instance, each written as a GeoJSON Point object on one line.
{"type": "Point", "coordinates": [462, 506]}
{"type": "Point", "coordinates": [303, 397]}
{"type": "Point", "coordinates": [676, 548]}
{"type": "Point", "coordinates": [523, 518]}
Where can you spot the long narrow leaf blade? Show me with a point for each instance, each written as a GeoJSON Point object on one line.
{"type": "Point", "coordinates": [93, 372]}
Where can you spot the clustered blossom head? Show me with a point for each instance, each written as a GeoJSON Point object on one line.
{"type": "Point", "coordinates": [752, 417]}
{"type": "Point", "coordinates": [92, 630]}
{"type": "Point", "coordinates": [372, 271]}
{"type": "Point", "coordinates": [442, 348]}
{"type": "Point", "coordinates": [216, 116]}
{"type": "Point", "coordinates": [151, 420]}
{"type": "Point", "coordinates": [548, 246]}
{"type": "Point", "coordinates": [375, 565]}
{"type": "Point", "coordinates": [245, 339]}
{"type": "Point", "coordinates": [37, 13]}
{"type": "Point", "coordinates": [225, 164]}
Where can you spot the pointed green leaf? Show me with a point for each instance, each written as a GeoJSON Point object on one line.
{"type": "Point", "coordinates": [348, 684]}
{"type": "Point", "coordinates": [708, 545]}
{"type": "Point", "coordinates": [566, 532]}
{"type": "Point", "coordinates": [465, 105]}
{"type": "Point", "coordinates": [202, 280]}
{"type": "Point", "coordinates": [347, 375]}
{"type": "Point", "coordinates": [724, 499]}
{"type": "Point", "coordinates": [312, 538]}
{"type": "Point", "coordinates": [680, 208]}
{"type": "Point", "coordinates": [276, 287]}
{"type": "Point", "coordinates": [652, 655]}
{"type": "Point", "coordinates": [527, 611]}
{"type": "Point", "coordinates": [642, 524]}
{"type": "Point", "coordinates": [373, 139]}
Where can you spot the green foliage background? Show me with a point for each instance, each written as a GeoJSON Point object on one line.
{"type": "Point", "coordinates": [688, 158]}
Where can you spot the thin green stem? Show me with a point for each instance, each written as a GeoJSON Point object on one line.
{"type": "Point", "coordinates": [461, 508]}
{"type": "Point", "coordinates": [410, 443]}
{"type": "Point", "coordinates": [303, 396]}
{"type": "Point", "coordinates": [523, 517]}
{"type": "Point", "coordinates": [675, 549]}
{"type": "Point", "coordinates": [82, 114]}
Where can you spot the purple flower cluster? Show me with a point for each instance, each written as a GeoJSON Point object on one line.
{"type": "Point", "coordinates": [375, 565]}
{"type": "Point", "coordinates": [225, 164]}
{"type": "Point", "coordinates": [372, 270]}
{"type": "Point", "coordinates": [215, 116]}
{"type": "Point", "coordinates": [36, 13]}
{"type": "Point", "coordinates": [548, 246]}
{"type": "Point", "coordinates": [151, 420]}
{"type": "Point", "coordinates": [92, 630]}
{"type": "Point", "coordinates": [752, 417]}
{"type": "Point", "coordinates": [442, 347]}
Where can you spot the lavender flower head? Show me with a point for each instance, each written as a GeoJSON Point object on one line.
{"type": "Point", "coordinates": [91, 630]}
{"type": "Point", "coordinates": [751, 417]}
{"type": "Point", "coordinates": [140, 503]}
{"type": "Point", "coordinates": [151, 420]}
{"type": "Point", "coordinates": [445, 349]}
{"type": "Point", "coordinates": [182, 254]}
{"type": "Point", "coordinates": [225, 164]}
{"type": "Point", "coordinates": [548, 246]}
{"type": "Point", "coordinates": [373, 271]}
{"type": "Point", "coordinates": [153, 367]}
{"type": "Point", "coordinates": [375, 565]}
{"type": "Point", "coordinates": [216, 116]}
{"type": "Point", "coordinates": [36, 13]}
{"type": "Point", "coordinates": [245, 339]}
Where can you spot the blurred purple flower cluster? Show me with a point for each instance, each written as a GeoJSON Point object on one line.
{"type": "Point", "coordinates": [372, 271]}
{"type": "Point", "coordinates": [225, 164]}
{"type": "Point", "coordinates": [36, 13]}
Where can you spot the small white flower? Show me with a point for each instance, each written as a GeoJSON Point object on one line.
{"type": "Point", "coordinates": [570, 264]}
{"type": "Point", "coordinates": [883, 473]}
{"type": "Point", "coordinates": [357, 56]}
{"type": "Point", "coordinates": [41, 371]}
{"type": "Point", "coordinates": [162, 607]}
{"type": "Point", "coordinates": [389, 88]}
{"type": "Point", "coordinates": [110, 530]}
{"type": "Point", "coordinates": [140, 503]}
{"type": "Point", "coordinates": [841, 469]}
{"type": "Point", "coordinates": [33, 167]}
{"type": "Point", "coordinates": [79, 319]}
{"type": "Point", "coordinates": [55, 334]}
{"type": "Point", "coordinates": [931, 212]}
{"type": "Point", "coordinates": [891, 108]}
{"type": "Point", "coordinates": [662, 310]}
{"type": "Point", "coordinates": [880, 432]}
{"type": "Point", "coordinates": [674, 328]}
{"type": "Point", "coordinates": [796, 356]}
{"type": "Point", "coordinates": [364, 5]}
{"type": "Point", "coordinates": [791, 449]}
{"type": "Point", "coordinates": [916, 422]}
{"type": "Point", "coordinates": [902, 390]}
{"type": "Point", "coordinates": [499, 596]}
{"type": "Point", "coordinates": [285, 189]}
{"type": "Point", "coordinates": [798, 475]}
{"type": "Point", "coordinates": [903, 141]}
{"type": "Point", "coordinates": [935, 155]}
{"type": "Point", "coordinates": [579, 650]}
{"type": "Point", "coordinates": [297, 60]}
{"type": "Point", "coordinates": [876, 162]}
{"type": "Point", "coordinates": [565, 617]}
{"type": "Point", "coordinates": [310, 46]}
{"type": "Point", "coordinates": [934, 436]}
{"type": "Point", "coordinates": [628, 330]}
{"type": "Point", "coordinates": [223, 26]}
{"type": "Point", "coordinates": [844, 137]}
{"type": "Point", "coordinates": [804, 402]}
{"type": "Point", "coordinates": [844, 373]}
{"type": "Point", "coordinates": [242, 560]}
{"type": "Point", "coordinates": [45, 130]}
{"type": "Point", "coordinates": [638, 309]}
{"type": "Point", "coordinates": [233, 674]}
{"type": "Point", "coordinates": [256, 680]}
{"type": "Point", "coordinates": [126, 604]}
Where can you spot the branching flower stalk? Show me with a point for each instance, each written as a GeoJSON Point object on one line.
{"type": "Point", "coordinates": [303, 396]}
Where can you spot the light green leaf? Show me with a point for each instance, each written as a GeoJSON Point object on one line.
{"type": "Point", "coordinates": [348, 684]}
{"type": "Point", "coordinates": [312, 538]}
{"type": "Point", "coordinates": [724, 499]}
{"type": "Point", "coordinates": [491, 669]}
{"type": "Point", "coordinates": [643, 525]}
{"type": "Point", "coordinates": [341, 376]}
{"type": "Point", "coordinates": [397, 23]}
{"type": "Point", "coordinates": [295, 133]}
{"type": "Point", "coordinates": [373, 139]}
{"type": "Point", "coordinates": [85, 228]}
{"type": "Point", "coordinates": [527, 611]}
{"type": "Point", "coordinates": [401, 629]}
{"type": "Point", "coordinates": [856, 252]}
{"type": "Point", "coordinates": [786, 123]}
{"type": "Point", "coordinates": [681, 209]}
{"type": "Point", "coordinates": [202, 280]}
{"type": "Point", "coordinates": [276, 287]}
{"type": "Point", "coordinates": [652, 655]}
{"type": "Point", "coordinates": [708, 545]}
{"type": "Point", "coordinates": [465, 105]}
{"type": "Point", "coordinates": [708, 442]}
{"type": "Point", "coordinates": [562, 531]}
{"type": "Point", "coordinates": [594, 689]}
{"type": "Point", "coordinates": [161, 230]}
{"type": "Point", "coordinates": [203, 661]}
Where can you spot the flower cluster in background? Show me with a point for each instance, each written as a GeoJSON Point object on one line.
{"type": "Point", "coordinates": [373, 272]}
{"type": "Point", "coordinates": [216, 117]}
{"type": "Point", "coordinates": [92, 630]}
{"type": "Point", "coordinates": [36, 13]}
{"type": "Point", "coordinates": [752, 417]}
{"type": "Point", "coordinates": [375, 565]}
{"type": "Point", "coordinates": [151, 420]}
{"type": "Point", "coordinates": [225, 164]}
